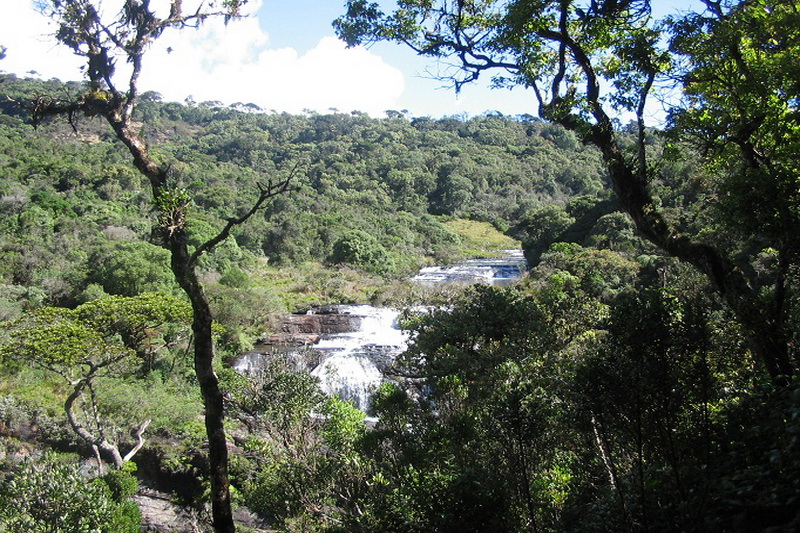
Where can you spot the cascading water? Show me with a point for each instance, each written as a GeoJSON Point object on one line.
{"type": "Point", "coordinates": [499, 271]}
{"type": "Point", "coordinates": [351, 364]}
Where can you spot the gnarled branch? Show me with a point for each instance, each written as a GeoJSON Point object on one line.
{"type": "Point", "coordinates": [266, 192]}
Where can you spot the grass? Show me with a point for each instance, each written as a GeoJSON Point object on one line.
{"type": "Point", "coordinates": [480, 239]}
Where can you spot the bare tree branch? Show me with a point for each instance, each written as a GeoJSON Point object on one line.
{"type": "Point", "coordinates": [140, 440]}
{"type": "Point", "coordinates": [266, 192]}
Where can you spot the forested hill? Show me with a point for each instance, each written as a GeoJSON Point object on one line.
{"type": "Point", "coordinates": [71, 198]}
{"type": "Point", "coordinates": [611, 390]}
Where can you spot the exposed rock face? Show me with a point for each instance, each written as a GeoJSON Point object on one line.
{"type": "Point", "coordinates": [160, 515]}
{"type": "Point", "coordinates": [290, 339]}
{"type": "Point", "coordinates": [301, 330]}
{"type": "Point", "coordinates": [321, 323]}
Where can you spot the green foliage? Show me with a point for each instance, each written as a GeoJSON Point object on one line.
{"type": "Point", "coordinates": [594, 408]}
{"type": "Point", "coordinates": [542, 227]}
{"type": "Point", "coordinates": [344, 427]}
{"type": "Point", "coordinates": [165, 396]}
{"type": "Point", "coordinates": [361, 249]}
{"type": "Point", "coordinates": [601, 274]}
{"type": "Point", "coordinates": [94, 349]}
{"type": "Point", "coordinates": [740, 109]}
{"type": "Point", "coordinates": [759, 441]}
{"type": "Point", "coordinates": [307, 461]}
{"type": "Point", "coordinates": [93, 291]}
{"type": "Point", "coordinates": [235, 278]}
{"type": "Point", "coordinates": [479, 449]}
{"type": "Point", "coordinates": [121, 482]}
{"type": "Point", "coordinates": [130, 268]}
{"type": "Point", "coordinates": [34, 339]}
{"type": "Point", "coordinates": [130, 316]}
{"type": "Point", "coordinates": [89, 336]}
{"type": "Point", "coordinates": [56, 498]}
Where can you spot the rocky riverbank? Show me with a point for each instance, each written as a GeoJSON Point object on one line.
{"type": "Point", "coordinates": [308, 328]}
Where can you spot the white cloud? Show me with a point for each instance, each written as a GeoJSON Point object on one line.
{"type": "Point", "coordinates": [28, 38]}
{"type": "Point", "coordinates": [232, 63]}
{"type": "Point", "coordinates": [210, 66]}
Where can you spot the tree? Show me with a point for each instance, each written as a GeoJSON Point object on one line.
{"type": "Point", "coordinates": [361, 249]}
{"type": "Point", "coordinates": [102, 39]}
{"type": "Point", "coordinates": [540, 228]}
{"type": "Point", "coordinates": [308, 468]}
{"type": "Point", "coordinates": [96, 339]}
{"type": "Point", "coordinates": [480, 438]}
{"type": "Point", "coordinates": [130, 268]}
{"type": "Point", "coordinates": [739, 72]}
{"type": "Point", "coordinates": [566, 50]}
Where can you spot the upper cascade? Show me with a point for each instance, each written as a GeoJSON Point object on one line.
{"type": "Point", "coordinates": [499, 271]}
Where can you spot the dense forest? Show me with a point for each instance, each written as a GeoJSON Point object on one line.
{"type": "Point", "coordinates": [640, 377]}
{"type": "Point", "coordinates": [390, 186]}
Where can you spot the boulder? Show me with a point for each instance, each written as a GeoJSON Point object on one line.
{"type": "Point", "coordinates": [160, 514]}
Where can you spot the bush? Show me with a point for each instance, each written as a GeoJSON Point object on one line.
{"type": "Point", "coordinates": [50, 497]}
{"type": "Point", "coordinates": [361, 249]}
{"type": "Point", "coordinates": [121, 482]}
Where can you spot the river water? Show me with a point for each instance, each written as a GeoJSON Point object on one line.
{"type": "Point", "coordinates": [500, 272]}
{"type": "Point", "coordinates": [351, 364]}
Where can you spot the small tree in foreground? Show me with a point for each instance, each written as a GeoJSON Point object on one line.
{"type": "Point", "coordinates": [102, 39]}
{"type": "Point", "coordinates": [98, 339]}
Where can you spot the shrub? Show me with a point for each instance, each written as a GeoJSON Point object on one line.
{"type": "Point", "coordinates": [361, 249]}
{"type": "Point", "coordinates": [56, 498]}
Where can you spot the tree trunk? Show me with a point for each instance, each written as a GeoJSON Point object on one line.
{"type": "Point", "coordinates": [110, 451]}
{"type": "Point", "coordinates": [182, 267]}
{"type": "Point", "coordinates": [222, 514]}
{"type": "Point", "coordinates": [102, 44]}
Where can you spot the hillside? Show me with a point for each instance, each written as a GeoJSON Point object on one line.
{"type": "Point", "coordinates": [610, 390]}
{"type": "Point", "coordinates": [71, 199]}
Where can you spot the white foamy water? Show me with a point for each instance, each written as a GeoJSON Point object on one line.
{"type": "Point", "coordinates": [350, 364]}
{"type": "Point", "coordinates": [500, 271]}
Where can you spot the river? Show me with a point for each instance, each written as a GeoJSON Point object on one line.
{"type": "Point", "coordinates": [351, 363]}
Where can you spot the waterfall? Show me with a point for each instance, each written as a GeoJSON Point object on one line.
{"type": "Point", "coordinates": [352, 362]}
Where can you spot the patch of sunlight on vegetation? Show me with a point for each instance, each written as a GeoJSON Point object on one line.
{"type": "Point", "coordinates": [480, 239]}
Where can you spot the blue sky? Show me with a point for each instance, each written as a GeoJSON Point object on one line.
{"type": "Point", "coordinates": [283, 57]}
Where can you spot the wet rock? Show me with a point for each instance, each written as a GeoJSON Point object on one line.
{"type": "Point", "coordinates": [290, 339]}
{"type": "Point", "coordinates": [298, 359]}
{"type": "Point", "coordinates": [321, 323]}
